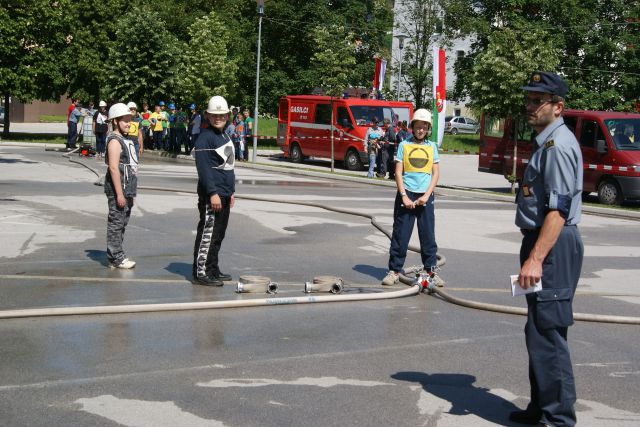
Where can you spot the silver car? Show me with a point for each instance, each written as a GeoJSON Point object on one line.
{"type": "Point", "coordinates": [459, 124]}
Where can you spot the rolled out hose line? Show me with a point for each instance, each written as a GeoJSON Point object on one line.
{"type": "Point", "coordinates": [414, 289]}
{"type": "Point", "coordinates": [207, 305]}
{"type": "Point", "coordinates": [585, 317]}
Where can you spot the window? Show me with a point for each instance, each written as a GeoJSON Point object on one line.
{"type": "Point", "coordinates": [493, 127]}
{"type": "Point", "coordinates": [323, 114]}
{"type": "Point", "coordinates": [457, 112]}
{"type": "Point", "coordinates": [461, 120]}
{"type": "Point", "coordinates": [589, 133]}
{"type": "Point", "coordinates": [343, 117]}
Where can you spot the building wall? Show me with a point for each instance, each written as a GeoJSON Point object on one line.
{"type": "Point", "coordinates": [31, 112]}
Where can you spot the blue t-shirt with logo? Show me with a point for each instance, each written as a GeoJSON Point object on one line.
{"type": "Point", "coordinates": [417, 161]}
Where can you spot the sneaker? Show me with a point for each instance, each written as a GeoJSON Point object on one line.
{"type": "Point", "coordinates": [392, 278]}
{"type": "Point", "coordinates": [436, 280]}
{"type": "Point", "coordinates": [206, 281]}
{"type": "Point", "coordinates": [125, 264]}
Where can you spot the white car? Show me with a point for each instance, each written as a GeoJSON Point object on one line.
{"type": "Point", "coordinates": [459, 124]}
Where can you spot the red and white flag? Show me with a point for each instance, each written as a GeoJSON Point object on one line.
{"type": "Point", "coordinates": [378, 77]}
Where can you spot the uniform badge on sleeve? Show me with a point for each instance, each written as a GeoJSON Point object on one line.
{"type": "Point", "coordinates": [525, 190]}
{"type": "Point", "coordinates": [549, 144]}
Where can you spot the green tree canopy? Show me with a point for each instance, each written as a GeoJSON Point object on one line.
{"type": "Point", "coordinates": [33, 36]}
{"type": "Point", "coordinates": [334, 58]}
{"type": "Point", "coordinates": [598, 42]}
{"type": "Point", "coordinates": [506, 64]}
{"type": "Point", "coordinates": [143, 59]}
{"type": "Point", "coordinates": [206, 68]}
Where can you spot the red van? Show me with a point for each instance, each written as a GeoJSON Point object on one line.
{"type": "Point", "coordinates": [304, 126]}
{"type": "Point", "coordinates": [610, 144]}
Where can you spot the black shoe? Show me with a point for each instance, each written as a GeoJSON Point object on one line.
{"type": "Point", "coordinates": [206, 281]}
{"type": "Point", "coordinates": [525, 417]}
{"type": "Point", "coordinates": [222, 276]}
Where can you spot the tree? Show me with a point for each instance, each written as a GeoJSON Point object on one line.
{"type": "Point", "coordinates": [143, 59]}
{"type": "Point", "coordinates": [421, 24]}
{"type": "Point", "coordinates": [598, 41]}
{"type": "Point", "coordinates": [288, 44]}
{"type": "Point", "coordinates": [88, 52]}
{"type": "Point", "coordinates": [206, 68]}
{"type": "Point", "coordinates": [334, 59]}
{"type": "Point", "coordinates": [501, 70]}
{"type": "Point", "coordinates": [33, 36]}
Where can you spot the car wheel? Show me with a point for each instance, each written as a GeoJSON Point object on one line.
{"type": "Point", "coordinates": [454, 131]}
{"type": "Point", "coordinates": [352, 161]}
{"type": "Point", "coordinates": [609, 192]}
{"type": "Point", "coordinates": [295, 154]}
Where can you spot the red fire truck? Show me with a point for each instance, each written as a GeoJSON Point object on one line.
{"type": "Point", "coordinates": [304, 126]}
{"type": "Point", "coordinates": [609, 141]}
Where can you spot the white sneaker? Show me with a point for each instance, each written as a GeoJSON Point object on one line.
{"type": "Point", "coordinates": [436, 280]}
{"type": "Point", "coordinates": [126, 264]}
{"type": "Point", "coordinates": [392, 278]}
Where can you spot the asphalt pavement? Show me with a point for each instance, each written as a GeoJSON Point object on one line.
{"type": "Point", "coordinates": [404, 362]}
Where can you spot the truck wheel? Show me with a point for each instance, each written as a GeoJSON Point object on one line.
{"type": "Point", "coordinates": [352, 161]}
{"type": "Point", "coordinates": [609, 192]}
{"type": "Point", "coordinates": [295, 154]}
{"type": "Point", "coordinates": [454, 131]}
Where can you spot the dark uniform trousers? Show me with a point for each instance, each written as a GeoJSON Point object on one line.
{"type": "Point", "coordinates": [212, 227]}
{"type": "Point", "coordinates": [403, 222]}
{"type": "Point", "coordinates": [550, 313]}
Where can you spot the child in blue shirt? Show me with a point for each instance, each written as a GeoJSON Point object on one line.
{"type": "Point", "coordinates": [417, 169]}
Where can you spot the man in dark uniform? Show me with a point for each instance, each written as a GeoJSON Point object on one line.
{"type": "Point", "coordinates": [549, 206]}
{"type": "Point", "coordinates": [215, 160]}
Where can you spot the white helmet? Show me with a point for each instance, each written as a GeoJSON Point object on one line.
{"type": "Point", "coordinates": [422, 115]}
{"type": "Point", "coordinates": [118, 110]}
{"type": "Point", "coordinates": [102, 104]}
{"type": "Point", "coordinates": [217, 105]}
{"type": "Point", "coordinates": [132, 104]}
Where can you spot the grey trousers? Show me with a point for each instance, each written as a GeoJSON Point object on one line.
{"type": "Point", "coordinates": [116, 223]}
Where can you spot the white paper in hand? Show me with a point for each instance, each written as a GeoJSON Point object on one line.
{"type": "Point", "coordinates": [517, 290]}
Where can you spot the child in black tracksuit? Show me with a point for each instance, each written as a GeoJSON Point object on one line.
{"type": "Point", "coordinates": [215, 157]}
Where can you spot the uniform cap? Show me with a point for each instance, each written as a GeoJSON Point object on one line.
{"type": "Point", "coordinates": [118, 110]}
{"type": "Point", "coordinates": [161, 103]}
{"type": "Point", "coordinates": [218, 105]}
{"type": "Point", "coordinates": [172, 106]}
{"type": "Point", "coordinates": [132, 105]}
{"type": "Point", "coordinates": [192, 106]}
{"type": "Point", "coordinates": [422, 115]}
{"type": "Point", "coordinates": [102, 104]}
{"type": "Point", "coordinates": [546, 82]}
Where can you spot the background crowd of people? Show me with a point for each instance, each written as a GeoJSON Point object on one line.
{"type": "Point", "coordinates": [169, 127]}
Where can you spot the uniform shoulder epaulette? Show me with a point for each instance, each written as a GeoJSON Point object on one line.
{"type": "Point", "coordinates": [549, 144]}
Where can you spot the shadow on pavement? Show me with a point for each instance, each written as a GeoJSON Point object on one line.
{"type": "Point", "coordinates": [181, 269]}
{"type": "Point", "coordinates": [369, 270]}
{"type": "Point", "coordinates": [465, 398]}
{"type": "Point", "coordinates": [97, 256]}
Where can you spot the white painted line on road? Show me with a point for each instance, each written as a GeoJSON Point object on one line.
{"type": "Point", "coordinates": [324, 382]}
{"type": "Point", "coordinates": [143, 413]}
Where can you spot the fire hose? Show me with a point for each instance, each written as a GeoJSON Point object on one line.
{"type": "Point", "coordinates": [415, 288]}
